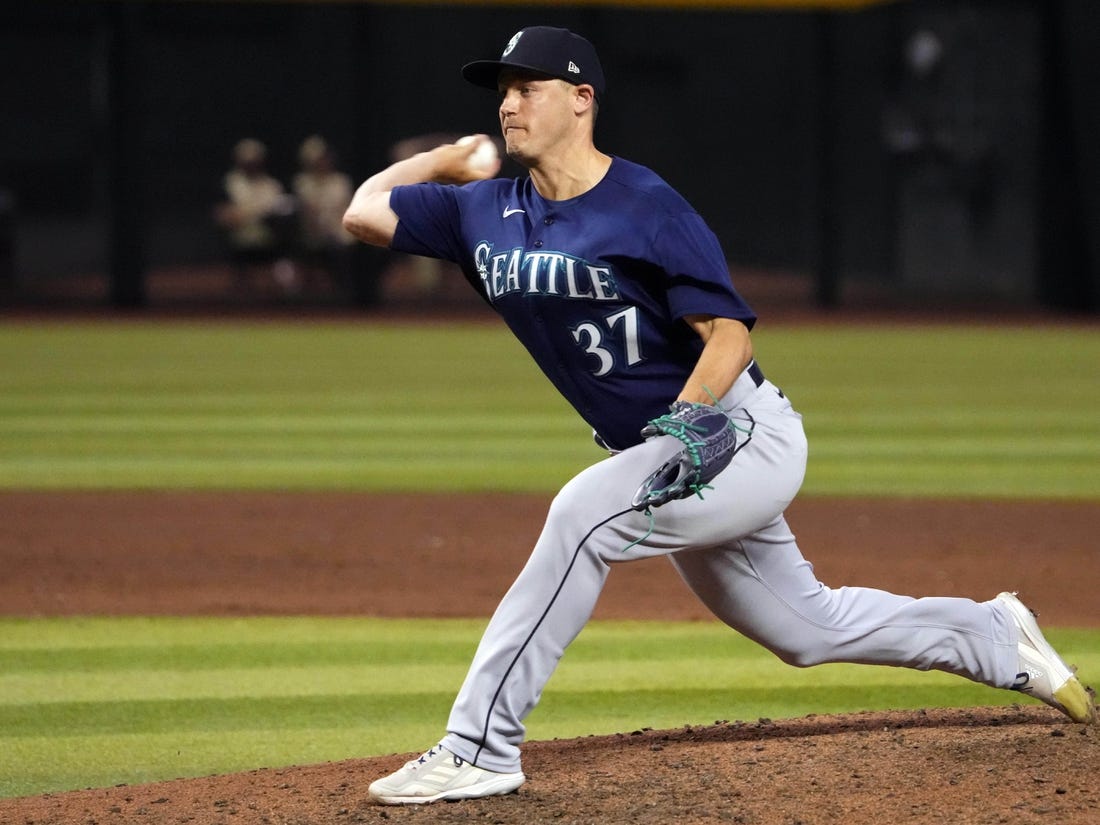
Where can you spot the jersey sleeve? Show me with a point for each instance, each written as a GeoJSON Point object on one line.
{"type": "Point", "coordinates": [428, 220]}
{"type": "Point", "coordinates": [699, 279]}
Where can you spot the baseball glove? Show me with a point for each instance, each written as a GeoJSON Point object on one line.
{"type": "Point", "coordinates": [710, 439]}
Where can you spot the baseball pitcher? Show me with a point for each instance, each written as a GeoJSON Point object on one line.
{"type": "Point", "coordinates": [621, 294]}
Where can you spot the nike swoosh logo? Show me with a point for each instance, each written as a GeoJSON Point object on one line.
{"type": "Point", "coordinates": [509, 211]}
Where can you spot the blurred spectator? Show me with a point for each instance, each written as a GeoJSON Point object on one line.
{"type": "Point", "coordinates": [322, 194]}
{"type": "Point", "coordinates": [256, 215]}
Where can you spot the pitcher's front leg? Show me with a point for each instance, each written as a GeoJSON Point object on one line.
{"type": "Point", "coordinates": [587, 528]}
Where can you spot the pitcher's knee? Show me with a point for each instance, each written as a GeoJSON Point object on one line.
{"type": "Point", "coordinates": [584, 523]}
{"type": "Point", "coordinates": [802, 651]}
{"type": "Point", "coordinates": [583, 499]}
{"type": "Point", "coordinates": [801, 658]}
{"type": "Point", "coordinates": [570, 518]}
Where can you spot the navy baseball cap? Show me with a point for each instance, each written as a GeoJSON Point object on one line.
{"type": "Point", "coordinates": [545, 50]}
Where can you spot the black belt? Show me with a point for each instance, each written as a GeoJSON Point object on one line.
{"type": "Point", "coordinates": [755, 373]}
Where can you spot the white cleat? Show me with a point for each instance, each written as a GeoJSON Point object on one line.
{"type": "Point", "coordinates": [1043, 674]}
{"type": "Point", "coordinates": [439, 775]}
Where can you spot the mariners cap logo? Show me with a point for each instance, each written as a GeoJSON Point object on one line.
{"type": "Point", "coordinates": [544, 50]}
{"type": "Point", "coordinates": [511, 44]}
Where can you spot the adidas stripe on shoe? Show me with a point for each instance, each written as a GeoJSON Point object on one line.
{"type": "Point", "coordinates": [439, 775]}
{"type": "Point", "coordinates": [1042, 673]}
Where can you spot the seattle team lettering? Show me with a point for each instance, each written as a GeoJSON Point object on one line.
{"type": "Point", "coordinates": [542, 273]}
{"type": "Point", "coordinates": [610, 339]}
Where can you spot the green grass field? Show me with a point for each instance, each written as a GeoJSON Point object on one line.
{"type": "Point", "coordinates": [99, 701]}
{"type": "Point", "coordinates": [915, 410]}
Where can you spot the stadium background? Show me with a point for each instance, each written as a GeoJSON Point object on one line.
{"type": "Point", "coordinates": [802, 131]}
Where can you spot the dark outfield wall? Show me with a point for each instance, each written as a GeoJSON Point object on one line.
{"type": "Point", "coordinates": [811, 142]}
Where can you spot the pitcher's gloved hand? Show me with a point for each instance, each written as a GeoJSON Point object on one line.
{"type": "Point", "coordinates": [710, 438]}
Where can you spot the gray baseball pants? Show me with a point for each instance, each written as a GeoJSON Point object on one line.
{"type": "Point", "coordinates": [735, 551]}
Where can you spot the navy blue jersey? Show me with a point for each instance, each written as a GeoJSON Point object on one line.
{"type": "Point", "coordinates": [595, 287]}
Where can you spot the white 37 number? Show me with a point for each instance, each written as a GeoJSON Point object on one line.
{"type": "Point", "coordinates": [621, 324]}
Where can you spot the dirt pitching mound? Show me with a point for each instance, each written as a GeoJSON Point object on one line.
{"type": "Point", "coordinates": [1015, 765]}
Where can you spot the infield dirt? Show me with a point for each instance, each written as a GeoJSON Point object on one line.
{"type": "Point", "coordinates": [389, 555]}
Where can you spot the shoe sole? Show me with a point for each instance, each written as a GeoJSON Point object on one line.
{"type": "Point", "coordinates": [498, 786]}
{"type": "Point", "coordinates": [1074, 698]}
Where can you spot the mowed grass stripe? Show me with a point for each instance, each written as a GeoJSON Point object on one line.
{"type": "Point", "coordinates": [168, 423]}
{"type": "Point", "coordinates": [43, 649]}
{"type": "Point", "coordinates": [99, 701]}
{"type": "Point", "coordinates": [329, 712]}
{"type": "Point", "coordinates": [923, 476]}
{"type": "Point", "coordinates": [750, 666]}
{"type": "Point", "coordinates": [276, 713]}
{"type": "Point", "coordinates": [984, 410]}
{"type": "Point", "coordinates": [611, 656]}
{"type": "Point", "coordinates": [183, 658]}
{"type": "Point", "coordinates": [423, 474]}
{"type": "Point", "coordinates": [148, 636]}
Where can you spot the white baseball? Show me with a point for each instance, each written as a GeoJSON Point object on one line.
{"type": "Point", "coordinates": [485, 156]}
